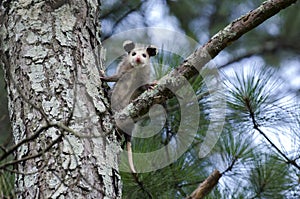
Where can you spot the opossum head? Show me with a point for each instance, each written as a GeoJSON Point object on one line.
{"type": "Point", "coordinates": [139, 56]}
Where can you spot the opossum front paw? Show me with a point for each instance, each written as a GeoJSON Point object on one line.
{"type": "Point", "coordinates": [151, 85]}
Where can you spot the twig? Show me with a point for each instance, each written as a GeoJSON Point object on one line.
{"type": "Point", "coordinates": [256, 127]}
{"type": "Point", "coordinates": [140, 184]}
{"type": "Point", "coordinates": [118, 21]}
{"type": "Point", "coordinates": [32, 156]}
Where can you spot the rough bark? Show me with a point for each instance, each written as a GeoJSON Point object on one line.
{"type": "Point", "coordinates": [60, 121]}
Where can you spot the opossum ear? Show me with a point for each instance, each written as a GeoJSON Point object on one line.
{"type": "Point", "coordinates": [128, 45]}
{"type": "Point", "coordinates": [152, 50]}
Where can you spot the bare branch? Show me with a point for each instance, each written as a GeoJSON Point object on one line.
{"type": "Point", "coordinates": [140, 184]}
{"type": "Point", "coordinates": [266, 48]}
{"type": "Point", "coordinates": [13, 162]}
{"type": "Point", "coordinates": [256, 127]}
{"type": "Point", "coordinates": [269, 47]}
{"type": "Point", "coordinates": [118, 21]}
{"type": "Point", "coordinates": [206, 186]}
{"type": "Point", "coordinates": [26, 140]}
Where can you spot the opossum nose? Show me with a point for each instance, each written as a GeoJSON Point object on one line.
{"type": "Point", "coordinates": [138, 59]}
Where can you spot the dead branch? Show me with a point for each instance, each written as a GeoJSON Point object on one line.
{"type": "Point", "coordinates": [206, 186]}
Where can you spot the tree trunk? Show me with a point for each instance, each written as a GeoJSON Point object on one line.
{"type": "Point", "coordinates": [50, 51]}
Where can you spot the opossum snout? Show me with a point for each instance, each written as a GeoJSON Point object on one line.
{"type": "Point", "coordinates": [138, 60]}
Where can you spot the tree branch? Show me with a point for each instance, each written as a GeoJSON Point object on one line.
{"type": "Point", "coordinates": [256, 127]}
{"type": "Point", "coordinates": [140, 184]}
{"type": "Point", "coordinates": [118, 21]}
{"type": "Point", "coordinates": [206, 186]}
{"type": "Point", "coordinates": [269, 47]}
{"type": "Point", "coordinates": [13, 162]}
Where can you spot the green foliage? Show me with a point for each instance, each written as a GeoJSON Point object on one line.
{"type": "Point", "coordinates": [6, 180]}
{"type": "Point", "coordinates": [256, 99]}
{"type": "Point", "coordinates": [6, 184]}
{"type": "Point", "coordinates": [174, 181]}
{"type": "Point", "coordinates": [5, 132]}
{"type": "Point", "coordinates": [164, 62]}
{"type": "Point", "coordinates": [267, 170]}
{"type": "Point", "coordinates": [235, 148]}
{"type": "Point", "coordinates": [258, 92]}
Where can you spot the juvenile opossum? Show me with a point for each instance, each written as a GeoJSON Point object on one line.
{"type": "Point", "coordinates": [132, 77]}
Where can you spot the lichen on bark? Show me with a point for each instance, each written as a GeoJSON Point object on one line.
{"type": "Point", "coordinates": [56, 101]}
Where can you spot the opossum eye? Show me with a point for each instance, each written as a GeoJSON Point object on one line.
{"type": "Point", "coordinates": [144, 55]}
{"type": "Point", "coordinates": [133, 54]}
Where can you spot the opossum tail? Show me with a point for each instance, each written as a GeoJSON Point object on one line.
{"type": "Point", "coordinates": [130, 159]}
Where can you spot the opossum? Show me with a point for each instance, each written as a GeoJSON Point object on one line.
{"type": "Point", "coordinates": [132, 77]}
